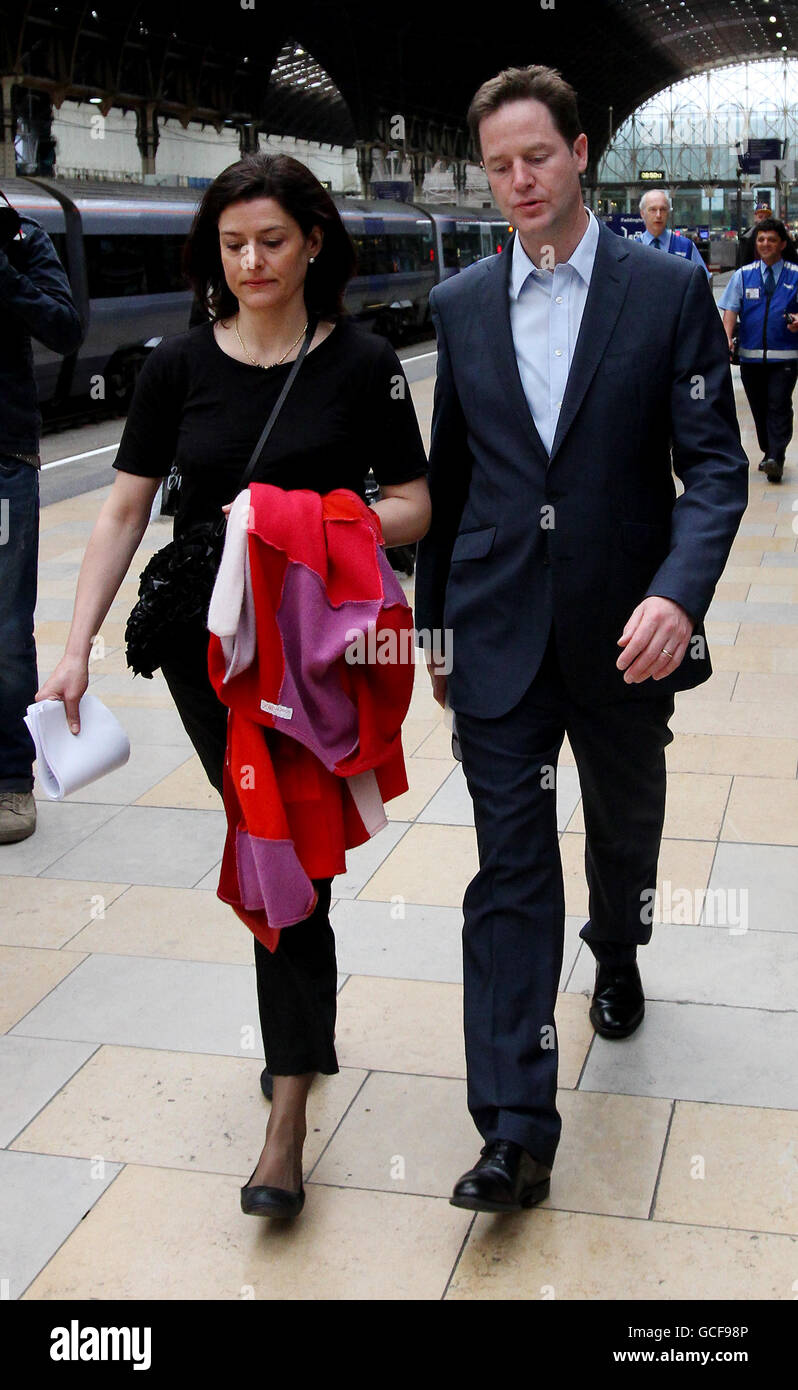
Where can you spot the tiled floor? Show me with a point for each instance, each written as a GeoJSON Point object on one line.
{"type": "Point", "coordinates": [131, 1111]}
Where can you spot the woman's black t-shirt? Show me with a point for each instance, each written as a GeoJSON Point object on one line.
{"type": "Point", "coordinates": [348, 411]}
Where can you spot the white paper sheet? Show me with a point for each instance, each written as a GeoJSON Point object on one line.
{"type": "Point", "coordinates": [65, 761]}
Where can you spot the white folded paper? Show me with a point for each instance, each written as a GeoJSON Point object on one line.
{"type": "Point", "coordinates": [65, 761]}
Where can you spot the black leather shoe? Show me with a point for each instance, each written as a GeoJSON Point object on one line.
{"type": "Point", "coordinates": [618, 1002]}
{"type": "Point", "coordinates": [271, 1201]}
{"type": "Point", "coordinates": [506, 1178]}
{"type": "Point", "coordinates": [267, 1083]}
{"type": "Point", "coordinates": [774, 470]}
{"type": "Point", "coordinates": [762, 463]}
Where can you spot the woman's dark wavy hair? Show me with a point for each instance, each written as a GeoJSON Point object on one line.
{"type": "Point", "coordinates": [300, 194]}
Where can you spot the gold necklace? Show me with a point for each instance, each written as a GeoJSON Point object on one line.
{"type": "Point", "coordinates": [266, 365]}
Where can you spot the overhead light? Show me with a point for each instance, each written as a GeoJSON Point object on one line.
{"type": "Point", "coordinates": [95, 101]}
{"type": "Point", "coordinates": [772, 19]}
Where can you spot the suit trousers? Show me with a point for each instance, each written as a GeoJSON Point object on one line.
{"type": "Point", "coordinates": [769, 387]}
{"type": "Point", "coordinates": [297, 983]}
{"type": "Point", "coordinates": [514, 907]}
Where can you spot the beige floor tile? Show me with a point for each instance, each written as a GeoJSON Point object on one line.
{"type": "Point", "coordinates": [685, 864]}
{"type": "Point", "coordinates": [438, 743]}
{"type": "Point", "coordinates": [179, 923]}
{"type": "Point", "coordinates": [762, 812]}
{"type": "Point", "coordinates": [762, 574]}
{"type": "Point", "coordinates": [401, 1025]}
{"type": "Point", "coordinates": [416, 1026]}
{"type": "Point", "coordinates": [782, 545]}
{"type": "Point", "coordinates": [567, 1255]}
{"type": "Point", "coordinates": [693, 809]}
{"type": "Point", "coordinates": [432, 864]}
{"type": "Point", "coordinates": [414, 733]}
{"type": "Point", "coordinates": [735, 717]}
{"type": "Point", "coordinates": [720, 633]}
{"type": "Point", "coordinates": [720, 686]}
{"type": "Point", "coordinates": [609, 1153]}
{"type": "Point", "coordinates": [757, 757]}
{"type": "Point", "coordinates": [49, 911]}
{"type": "Point", "coordinates": [767, 690]}
{"type": "Point", "coordinates": [164, 1234]}
{"type": "Point", "coordinates": [192, 1110]}
{"type": "Point", "coordinates": [424, 776]}
{"type": "Point", "coordinates": [729, 1165]}
{"type": "Point", "coordinates": [783, 635]}
{"type": "Point", "coordinates": [731, 593]}
{"type": "Point", "coordinates": [113, 633]}
{"type": "Point", "coordinates": [28, 974]}
{"type": "Point", "coordinates": [574, 1036]}
{"type": "Point", "coordinates": [414, 1134]}
{"type": "Point", "coordinates": [770, 593]}
{"type": "Point", "coordinates": [403, 1133]}
{"type": "Point", "coordinates": [755, 658]}
{"type": "Point", "coordinates": [186, 787]}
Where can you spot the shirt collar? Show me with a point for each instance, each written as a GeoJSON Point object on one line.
{"type": "Point", "coordinates": [664, 238]}
{"type": "Point", "coordinates": [582, 259]}
{"type": "Point", "coordinates": [776, 268]}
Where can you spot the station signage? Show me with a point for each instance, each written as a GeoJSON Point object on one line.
{"type": "Point", "coordinates": [652, 175]}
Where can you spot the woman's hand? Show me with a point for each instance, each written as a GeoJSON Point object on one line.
{"type": "Point", "coordinates": [69, 682]}
{"type": "Point", "coordinates": [227, 508]}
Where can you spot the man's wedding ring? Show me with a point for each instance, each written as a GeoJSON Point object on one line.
{"type": "Point", "coordinates": [665, 652]}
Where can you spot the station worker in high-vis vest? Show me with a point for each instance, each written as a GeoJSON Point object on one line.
{"type": "Point", "coordinates": [764, 295]}
{"type": "Point", "coordinates": [655, 210]}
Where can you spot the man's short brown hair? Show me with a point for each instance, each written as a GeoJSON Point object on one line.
{"type": "Point", "coordinates": [518, 84]}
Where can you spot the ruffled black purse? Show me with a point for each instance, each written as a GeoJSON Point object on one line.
{"type": "Point", "coordinates": [176, 584]}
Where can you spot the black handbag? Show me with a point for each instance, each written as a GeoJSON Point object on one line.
{"type": "Point", "coordinates": [176, 584]}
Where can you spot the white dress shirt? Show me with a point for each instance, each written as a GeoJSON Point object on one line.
{"type": "Point", "coordinates": [546, 308]}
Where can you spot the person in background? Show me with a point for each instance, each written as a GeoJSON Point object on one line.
{"type": "Point", "coordinates": [655, 209]}
{"type": "Point", "coordinates": [37, 303]}
{"type": "Point", "coordinates": [764, 295]}
{"type": "Point", "coordinates": [746, 250]}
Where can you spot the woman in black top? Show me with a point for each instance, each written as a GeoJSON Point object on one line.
{"type": "Point", "coordinates": [267, 252]}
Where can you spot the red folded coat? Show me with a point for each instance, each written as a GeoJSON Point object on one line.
{"type": "Point", "coordinates": [314, 723]}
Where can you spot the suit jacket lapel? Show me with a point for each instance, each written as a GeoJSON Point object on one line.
{"type": "Point", "coordinates": [609, 283]}
{"type": "Point", "coordinates": [499, 339]}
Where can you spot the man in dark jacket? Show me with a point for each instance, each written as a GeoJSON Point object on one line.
{"type": "Point", "coordinates": [35, 301]}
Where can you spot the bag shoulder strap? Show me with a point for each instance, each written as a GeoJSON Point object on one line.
{"type": "Point", "coordinates": [270, 423]}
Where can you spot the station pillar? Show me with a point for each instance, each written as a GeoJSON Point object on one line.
{"type": "Point", "coordinates": [147, 135]}
{"type": "Point", "coordinates": [419, 167]}
{"type": "Point", "coordinates": [365, 165]}
{"type": "Point", "coordinates": [8, 163]}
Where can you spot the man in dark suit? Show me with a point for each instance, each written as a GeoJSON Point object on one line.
{"type": "Point", "coordinates": [570, 583]}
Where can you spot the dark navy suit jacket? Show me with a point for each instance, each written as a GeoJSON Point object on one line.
{"type": "Point", "coordinates": [520, 541]}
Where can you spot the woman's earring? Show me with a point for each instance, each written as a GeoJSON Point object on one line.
{"type": "Point", "coordinates": [311, 259]}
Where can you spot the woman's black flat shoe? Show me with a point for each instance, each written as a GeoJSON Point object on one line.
{"type": "Point", "coordinates": [271, 1201]}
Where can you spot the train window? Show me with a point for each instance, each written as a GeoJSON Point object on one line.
{"type": "Point", "coordinates": [115, 266]}
{"type": "Point", "coordinates": [372, 255]}
{"type": "Point", "coordinates": [499, 233]}
{"type": "Point", "coordinates": [449, 242]}
{"type": "Point", "coordinates": [121, 265]}
{"type": "Point", "coordinates": [393, 253]}
{"type": "Point", "coordinates": [469, 244]}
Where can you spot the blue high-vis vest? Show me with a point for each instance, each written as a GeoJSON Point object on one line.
{"type": "Point", "coordinates": [679, 245]}
{"type": "Point", "coordinates": [764, 336]}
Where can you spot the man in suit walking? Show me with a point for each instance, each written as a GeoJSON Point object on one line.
{"type": "Point", "coordinates": [571, 583]}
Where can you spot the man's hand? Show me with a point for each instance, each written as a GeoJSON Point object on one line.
{"type": "Point", "coordinates": [438, 678]}
{"type": "Point", "coordinates": [654, 640]}
{"type": "Point", "coordinates": [792, 326]}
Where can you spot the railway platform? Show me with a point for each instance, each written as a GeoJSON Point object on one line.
{"type": "Point", "coordinates": [130, 1040]}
